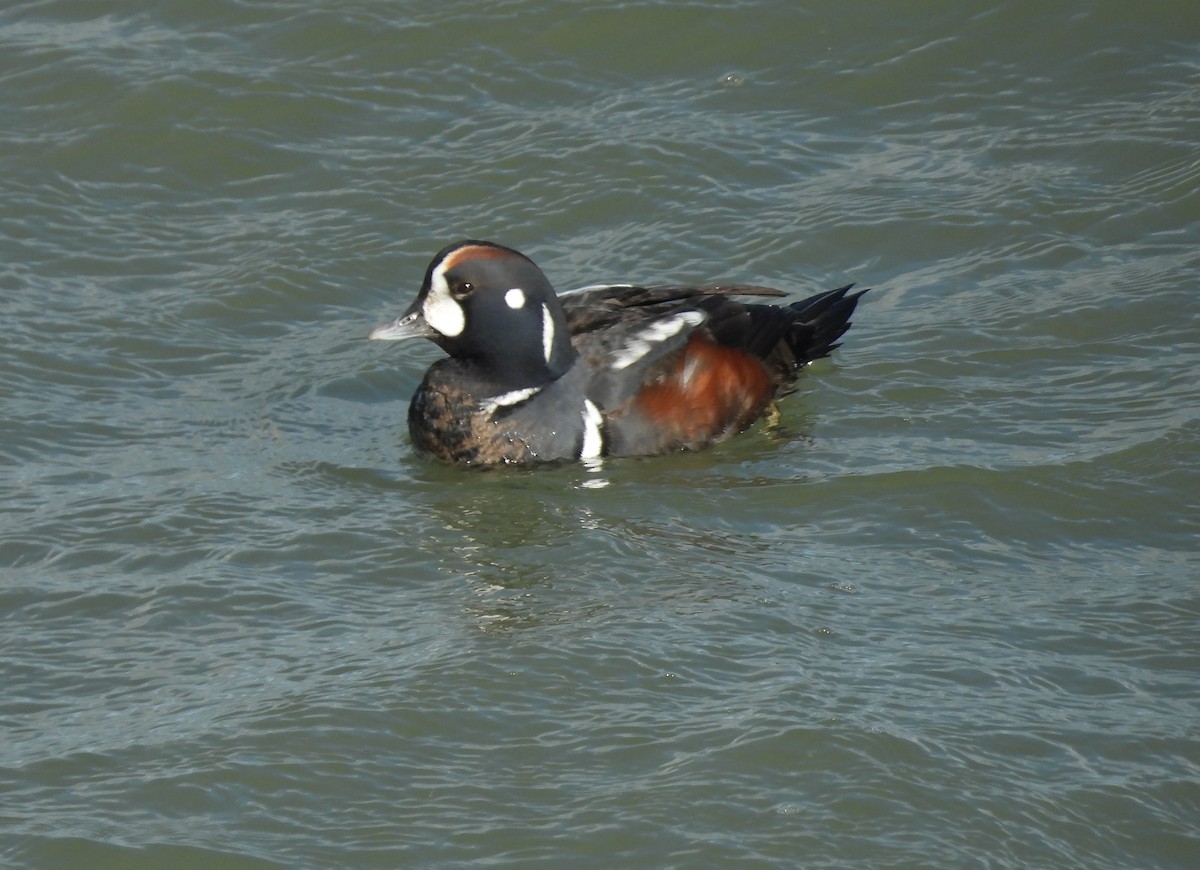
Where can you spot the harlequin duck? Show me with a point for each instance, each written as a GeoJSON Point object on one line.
{"type": "Point", "coordinates": [606, 370]}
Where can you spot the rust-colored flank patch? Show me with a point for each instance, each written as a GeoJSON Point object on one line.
{"type": "Point", "coordinates": [710, 389]}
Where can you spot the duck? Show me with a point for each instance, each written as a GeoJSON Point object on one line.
{"type": "Point", "coordinates": [608, 370]}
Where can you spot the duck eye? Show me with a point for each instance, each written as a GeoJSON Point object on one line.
{"type": "Point", "coordinates": [461, 289]}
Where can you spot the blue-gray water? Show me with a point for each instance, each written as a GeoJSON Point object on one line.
{"type": "Point", "coordinates": [948, 616]}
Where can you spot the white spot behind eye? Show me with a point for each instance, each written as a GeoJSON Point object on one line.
{"type": "Point", "coordinates": [441, 311]}
{"type": "Point", "coordinates": [547, 333]}
{"type": "Point", "coordinates": [515, 298]}
{"type": "Point", "coordinates": [658, 331]}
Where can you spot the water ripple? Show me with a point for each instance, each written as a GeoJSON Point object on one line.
{"type": "Point", "coordinates": [943, 614]}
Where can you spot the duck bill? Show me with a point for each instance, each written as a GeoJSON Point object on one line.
{"type": "Point", "coordinates": [410, 324]}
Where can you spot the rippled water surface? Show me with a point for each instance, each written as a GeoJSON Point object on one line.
{"type": "Point", "coordinates": [946, 615]}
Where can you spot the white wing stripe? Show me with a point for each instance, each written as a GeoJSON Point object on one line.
{"type": "Point", "coordinates": [642, 343]}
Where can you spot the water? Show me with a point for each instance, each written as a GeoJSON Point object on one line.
{"type": "Point", "coordinates": [946, 616]}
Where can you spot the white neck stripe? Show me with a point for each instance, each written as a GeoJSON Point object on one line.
{"type": "Point", "coordinates": [547, 333]}
{"type": "Point", "coordinates": [507, 400]}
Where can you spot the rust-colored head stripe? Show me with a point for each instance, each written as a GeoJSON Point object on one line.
{"type": "Point", "coordinates": [476, 252]}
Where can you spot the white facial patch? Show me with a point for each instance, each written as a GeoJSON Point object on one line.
{"type": "Point", "coordinates": [547, 333]}
{"type": "Point", "coordinates": [515, 298]}
{"type": "Point", "coordinates": [593, 439]}
{"type": "Point", "coordinates": [441, 310]}
{"type": "Point", "coordinates": [657, 332]}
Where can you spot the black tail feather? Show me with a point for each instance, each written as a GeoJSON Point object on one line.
{"type": "Point", "coordinates": [785, 338]}
{"type": "Point", "coordinates": [821, 321]}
